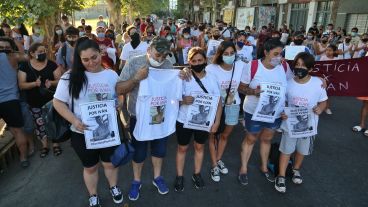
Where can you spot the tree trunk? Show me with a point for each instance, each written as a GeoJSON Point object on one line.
{"type": "Point", "coordinates": [48, 24]}
{"type": "Point", "coordinates": [114, 9]}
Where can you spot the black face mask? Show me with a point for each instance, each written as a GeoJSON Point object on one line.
{"type": "Point", "coordinates": [298, 41]}
{"type": "Point", "coordinates": [41, 57]}
{"type": "Point", "coordinates": [136, 39]}
{"type": "Point", "coordinates": [170, 23]}
{"type": "Point", "coordinates": [365, 40]}
{"type": "Point", "coordinates": [300, 72]}
{"type": "Point", "coordinates": [324, 41]}
{"type": "Point", "coordinates": [347, 40]}
{"type": "Point", "coordinates": [111, 36]}
{"type": "Point", "coordinates": [198, 68]}
{"type": "Point", "coordinates": [220, 28]}
{"type": "Point", "coordinates": [5, 51]}
{"type": "Point", "coordinates": [216, 36]}
{"type": "Point", "coordinates": [71, 42]}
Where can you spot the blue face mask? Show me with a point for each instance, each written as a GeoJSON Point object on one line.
{"type": "Point", "coordinates": [101, 35]}
{"type": "Point", "coordinates": [81, 34]}
{"type": "Point", "coordinates": [228, 59]}
{"type": "Point", "coordinates": [240, 44]}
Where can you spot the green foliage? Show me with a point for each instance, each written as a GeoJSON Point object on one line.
{"type": "Point", "coordinates": [144, 7]}
{"type": "Point", "coordinates": [31, 10]}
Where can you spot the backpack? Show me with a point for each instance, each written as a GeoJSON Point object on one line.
{"type": "Point", "coordinates": [273, 161]}
{"type": "Point", "coordinates": [254, 68]}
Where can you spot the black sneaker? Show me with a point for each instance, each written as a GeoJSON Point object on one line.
{"type": "Point", "coordinates": [243, 179]}
{"type": "Point", "coordinates": [198, 181]}
{"type": "Point", "coordinates": [297, 177]}
{"type": "Point", "coordinates": [280, 185]}
{"type": "Point", "coordinates": [94, 201]}
{"type": "Point", "coordinates": [179, 184]}
{"type": "Point", "coordinates": [116, 194]}
{"type": "Point", "coordinates": [269, 176]}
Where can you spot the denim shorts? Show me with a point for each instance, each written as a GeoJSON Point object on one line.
{"type": "Point", "coordinates": [257, 126]}
{"type": "Point", "coordinates": [232, 115]}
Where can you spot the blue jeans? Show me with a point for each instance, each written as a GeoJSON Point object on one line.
{"type": "Point", "coordinates": [158, 146]}
{"type": "Point", "coordinates": [257, 126]}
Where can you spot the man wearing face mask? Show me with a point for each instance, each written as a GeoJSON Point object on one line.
{"type": "Point", "coordinates": [134, 48]}
{"type": "Point", "coordinates": [355, 36]}
{"type": "Point", "coordinates": [107, 49]}
{"type": "Point", "coordinates": [173, 27]}
{"type": "Point", "coordinates": [135, 70]}
{"type": "Point", "coordinates": [345, 48]}
{"type": "Point", "coordinates": [299, 41]}
{"type": "Point", "coordinates": [361, 48]}
{"type": "Point", "coordinates": [64, 56]}
{"type": "Point", "coordinates": [224, 31]}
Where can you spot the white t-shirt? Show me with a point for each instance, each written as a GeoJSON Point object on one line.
{"type": "Point", "coordinates": [306, 95]}
{"type": "Point", "coordinates": [190, 87]}
{"type": "Point", "coordinates": [245, 54]}
{"type": "Point", "coordinates": [359, 53]}
{"type": "Point", "coordinates": [157, 107]}
{"type": "Point", "coordinates": [325, 58]}
{"type": "Point", "coordinates": [223, 79]}
{"type": "Point", "coordinates": [252, 40]}
{"type": "Point", "coordinates": [101, 86]}
{"type": "Point", "coordinates": [225, 32]}
{"type": "Point", "coordinates": [128, 51]}
{"type": "Point", "coordinates": [346, 50]}
{"type": "Point", "coordinates": [263, 75]}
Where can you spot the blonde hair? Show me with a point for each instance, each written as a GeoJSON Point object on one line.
{"type": "Point", "coordinates": [194, 51]}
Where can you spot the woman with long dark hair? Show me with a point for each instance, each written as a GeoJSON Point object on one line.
{"type": "Point", "coordinates": [88, 82]}
{"type": "Point", "coordinates": [38, 77]}
{"type": "Point", "coordinates": [58, 39]}
{"type": "Point", "coordinates": [227, 71]}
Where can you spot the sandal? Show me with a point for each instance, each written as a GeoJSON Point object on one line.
{"type": "Point", "coordinates": [357, 129]}
{"type": "Point", "coordinates": [44, 152]}
{"type": "Point", "coordinates": [57, 150]}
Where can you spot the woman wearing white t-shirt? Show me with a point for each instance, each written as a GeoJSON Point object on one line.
{"type": "Point", "coordinates": [225, 68]}
{"type": "Point", "coordinates": [197, 61]}
{"type": "Point", "coordinates": [244, 49]}
{"type": "Point", "coordinates": [345, 48]}
{"type": "Point", "coordinates": [269, 70]}
{"type": "Point", "coordinates": [88, 82]}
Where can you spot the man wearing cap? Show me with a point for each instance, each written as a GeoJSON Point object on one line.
{"type": "Point", "coordinates": [135, 70]}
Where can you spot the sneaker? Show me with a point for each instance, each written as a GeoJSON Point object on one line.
{"type": "Point", "coordinates": [94, 201]}
{"type": "Point", "coordinates": [215, 174]}
{"type": "Point", "coordinates": [134, 190]}
{"type": "Point", "coordinates": [116, 194]}
{"type": "Point", "coordinates": [160, 184]}
{"type": "Point", "coordinates": [198, 181]}
{"type": "Point", "coordinates": [328, 111]}
{"type": "Point", "coordinates": [222, 167]}
{"type": "Point", "coordinates": [280, 185]}
{"type": "Point", "coordinates": [297, 178]}
{"type": "Point", "coordinates": [269, 177]}
{"type": "Point", "coordinates": [179, 184]}
{"type": "Point", "coordinates": [243, 179]}
{"type": "Point", "coordinates": [279, 130]}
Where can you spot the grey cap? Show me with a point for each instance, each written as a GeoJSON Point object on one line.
{"type": "Point", "coordinates": [162, 45]}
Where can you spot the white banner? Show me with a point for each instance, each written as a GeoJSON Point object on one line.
{"type": "Point", "coordinates": [244, 17]}
{"type": "Point", "coordinates": [301, 122]}
{"type": "Point", "coordinates": [101, 120]}
{"type": "Point", "coordinates": [185, 55]}
{"type": "Point", "coordinates": [201, 114]}
{"type": "Point", "coordinates": [269, 102]}
{"type": "Point", "coordinates": [292, 51]}
{"type": "Point", "coordinates": [212, 47]}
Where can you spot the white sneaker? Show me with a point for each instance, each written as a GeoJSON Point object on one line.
{"type": "Point", "coordinates": [297, 178]}
{"type": "Point", "coordinates": [222, 167]}
{"type": "Point", "coordinates": [215, 174]}
{"type": "Point", "coordinates": [328, 111]}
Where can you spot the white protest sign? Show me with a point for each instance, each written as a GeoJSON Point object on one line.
{"type": "Point", "coordinates": [185, 55]}
{"type": "Point", "coordinates": [201, 114]}
{"type": "Point", "coordinates": [101, 119]}
{"type": "Point", "coordinates": [301, 122]}
{"type": "Point", "coordinates": [270, 101]}
{"type": "Point", "coordinates": [212, 47]}
{"type": "Point", "coordinates": [292, 51]}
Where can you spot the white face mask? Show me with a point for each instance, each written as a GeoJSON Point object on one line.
{"type": "Point", "coordinates": [59, 32]}
{"type": "Point", "coordinates": [154, 62]}
{"type": "Point", "coordinates": [186, 36]}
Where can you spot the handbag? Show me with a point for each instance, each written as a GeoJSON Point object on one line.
{"type": "Point", "coordinates": [125, 151]}
{"type": "Point", "coordinates": [221, 127]}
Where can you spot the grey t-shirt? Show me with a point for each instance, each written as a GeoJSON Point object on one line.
{"type": "Point", "coordinates": [69, 56]}
{"type": "Point", "coordinates": [8, 80]}
{"type": "Point", "coordinates": [130, 69]}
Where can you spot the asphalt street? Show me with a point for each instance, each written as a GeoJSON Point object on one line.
{"type": "Point", "coordinates": [334, 175]}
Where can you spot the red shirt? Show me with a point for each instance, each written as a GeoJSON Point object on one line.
{"type": "Point", "coordinates": [106, 62]}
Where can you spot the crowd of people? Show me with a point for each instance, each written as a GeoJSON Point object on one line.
{"type": "Point", "coordinates": [78, 64]}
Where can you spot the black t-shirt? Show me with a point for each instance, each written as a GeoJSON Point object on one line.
{"type": "Point", "coordinates": [33, 96]}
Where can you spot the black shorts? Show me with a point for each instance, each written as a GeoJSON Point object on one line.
{"type": "Point", "coordinates": [11, 112]}
{"type": "Point", "coordinates": [90, 157]}
{"type": "Point", "coordinates": [184, 135]}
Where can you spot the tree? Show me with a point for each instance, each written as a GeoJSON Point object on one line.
{"type": "Point", "coordinates": [114, 9]}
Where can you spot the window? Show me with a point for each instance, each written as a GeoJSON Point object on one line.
{"type": "Point", "coordinates": [298, 15]}
{"type": "Point", "coordinates": [357, 20]}
{"type": "Point", "coordinates": [323, 16]}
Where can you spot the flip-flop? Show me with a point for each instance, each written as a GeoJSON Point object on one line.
{"type": "Point", "coordinates": [357, 129]}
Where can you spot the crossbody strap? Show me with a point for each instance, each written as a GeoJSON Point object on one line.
{"type": "Point", "coordinates": [231, 80]}
{"type": "Point", "coordinates": [199, 82]}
